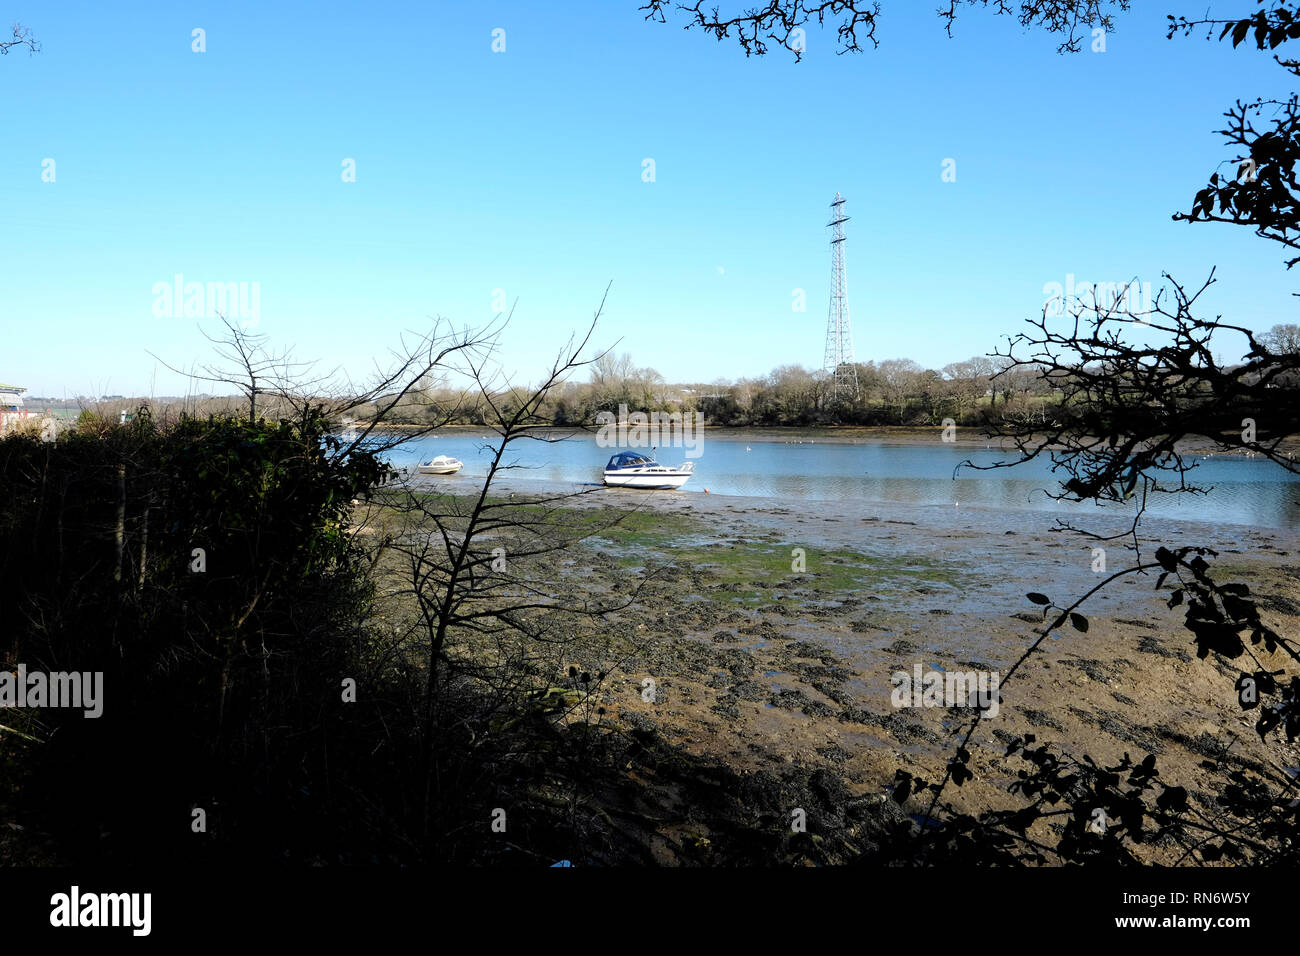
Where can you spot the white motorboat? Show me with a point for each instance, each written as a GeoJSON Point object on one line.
{"type": "Point", "coordinates": [442, 465]}
{"type": "Point", "coordinates": [631, 470]}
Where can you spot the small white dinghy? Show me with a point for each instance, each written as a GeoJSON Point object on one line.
{"type": "Point", "coordinates": [442, 465]}
{"type": "Point", "coordinates": [630, 470]}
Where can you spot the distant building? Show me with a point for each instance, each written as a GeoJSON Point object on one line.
{"type": "Point", "coordinates": [12, 410]}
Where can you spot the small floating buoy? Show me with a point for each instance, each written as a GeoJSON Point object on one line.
{"type": "Point", "coordinates": [706, 491]}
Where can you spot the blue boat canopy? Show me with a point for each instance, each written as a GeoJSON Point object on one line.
{"type": "Point", "coordinates": [629, 459]}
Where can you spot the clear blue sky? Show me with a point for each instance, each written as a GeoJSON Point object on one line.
{"type": "Point", "coordinates": [522, 171]}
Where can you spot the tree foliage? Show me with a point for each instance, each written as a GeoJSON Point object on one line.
{"type": "Point", "coordinates": [783, 22]}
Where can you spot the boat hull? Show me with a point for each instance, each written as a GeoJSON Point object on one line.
{"type": "Point", "coordinates": [632, 478]}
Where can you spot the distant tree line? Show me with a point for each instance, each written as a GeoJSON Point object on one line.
{"type": "Point", "coordinates": [974, 392]}
{"type": "Point", "coordinates": [892, 392]}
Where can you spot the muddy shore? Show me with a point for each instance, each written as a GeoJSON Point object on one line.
{"type": "Point", "coordinates": [775, 628]}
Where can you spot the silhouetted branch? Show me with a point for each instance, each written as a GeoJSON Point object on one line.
{"type": "Point", "coordinates": [22, 37]}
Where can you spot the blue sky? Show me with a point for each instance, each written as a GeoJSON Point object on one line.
{"type": "Point", "coordinates": [522, 171]}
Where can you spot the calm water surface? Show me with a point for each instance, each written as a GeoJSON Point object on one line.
{"type": "Point", "coordinates": [1242, 491]}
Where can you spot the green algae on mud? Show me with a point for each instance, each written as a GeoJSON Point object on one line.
{"type": "Point", "coordinates": [744, 563]}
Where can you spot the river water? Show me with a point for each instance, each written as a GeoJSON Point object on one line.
{"type": "Point", "coordinates": [1241, 491]}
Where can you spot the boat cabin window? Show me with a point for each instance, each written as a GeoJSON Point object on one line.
{"type": "Point", "coordinates": [629, 460]}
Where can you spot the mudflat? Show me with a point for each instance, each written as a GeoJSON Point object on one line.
{"type": "Point", "coordinates": [773, 631]}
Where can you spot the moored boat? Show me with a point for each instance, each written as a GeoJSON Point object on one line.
{"type": "Point", "coordinates": [442, 465]}
{"type": "Point", "coordinates": [631, 470]}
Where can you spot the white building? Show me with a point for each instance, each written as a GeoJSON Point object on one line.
{"type": "Point", "coordinates": [12, 410]}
